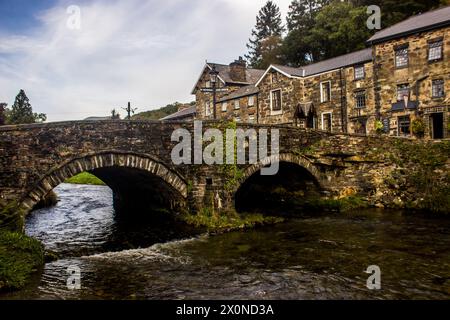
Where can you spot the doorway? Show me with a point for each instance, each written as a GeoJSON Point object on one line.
{"type": "Point", "coordinates": [326, 121]}
{"type": "Point", "coordinates": [437, 125]}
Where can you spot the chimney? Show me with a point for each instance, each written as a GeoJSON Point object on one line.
{"type": "Point", "coordinates": [237, 70]}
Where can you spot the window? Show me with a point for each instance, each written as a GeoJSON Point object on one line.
{"type": "Point", "coordinates": [274, 77]}
{"type": "Point", "coordinates": [401, 57]}
{"type": "Point", "coordinates": [237, 119]}
{"type": "Point", "coordinates": [251, 118]}
{"type": "Point", "coordinates": [208, 84]}
{"type": "Point", "coordinates": [224, 106]}
{"type": "Point", "coordinates": [359, 72]}
{"type": "Point", "coordinates": [207, 108]}
{"type": "Point", "coordinates": [236, 104]}
{"type": "Point", "coordinates": [435, 50]}
{"type": "Point", "coordinates": [403, 125]}
{"type": "Point", "coordinates": [360, 98]}
{"type": "Point", "coordinates": [325, 91]}
{"type": "Point", "coordinates": [251, 101]}
{"type": "Point", "coordinates": [402, 91]}
{"type": "Point", "coordinates": [275, 100]}
{"type": "Point", "coordinates": [437, 88]}
{"type": "Point", "coordinates": [327, 121]}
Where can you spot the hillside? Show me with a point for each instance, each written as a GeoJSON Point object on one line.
{"type": "Point", "coordinates": [158, 113]}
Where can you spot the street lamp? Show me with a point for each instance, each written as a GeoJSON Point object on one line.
{"type": "Point", "coordinates": [213, 75]}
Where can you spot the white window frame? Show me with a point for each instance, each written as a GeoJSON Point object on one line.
{"type": "Point", "coordinates": [208, 84]}
{"type": "Point", "coordinates": [276, 112]}
{"type": "Point", "coordinates": [331, 120]}
{"type": "Point", "coordinates": [224, 106]}
{"type": "Point", "coordinates": [237, 105]}
{"type": "Point", "coordinates": [361, 66]}
{"type": "Point", "coordinates": [251, 101]}
{"type": "Point", "coordinates": [251, 118]}
{"type": "Point", "coordinates": [321, 91]}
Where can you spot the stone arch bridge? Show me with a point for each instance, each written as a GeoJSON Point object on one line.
{"type": "Point", "coordinates": [134, 159]}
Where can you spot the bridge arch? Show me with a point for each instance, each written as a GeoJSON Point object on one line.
{"type": "Point", "coordinates": [103, 160]}
{"type": "Point", "coordinates": [301, 168]}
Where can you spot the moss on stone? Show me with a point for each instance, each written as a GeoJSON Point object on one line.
{"type": "Point", "coordinates": [11, 216]}
{"type": "Point", "coordinates": [20, 257]}
{"type": "Point", "coordinates": [227, 220]}
{"type": "Point", "coordinates": [340, 205]}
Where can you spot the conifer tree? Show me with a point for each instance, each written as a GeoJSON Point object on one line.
{"type": "Point", "coordinates": [22, 112]}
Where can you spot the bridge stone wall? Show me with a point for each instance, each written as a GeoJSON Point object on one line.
{"type": "Point", "coordinates": [35, 158]}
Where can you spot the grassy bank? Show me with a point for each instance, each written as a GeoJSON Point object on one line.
{"type": "Point", "coordinates": [85, 178]}
{"type": "Point", "coordinates": [227, 221]}
{"type": "Point", "coordinates": [20, 257]}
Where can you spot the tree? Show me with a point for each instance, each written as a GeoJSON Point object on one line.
{"type": "Point", "coordinates": [338, 30]}
{"type": "Point", "coordinates": [22, 112]}
{"type": "Point", "coordinates": [268, 24]}
{"type": "Point", "coordinates": [114, 114]}
{"type": "Point", "coordinates": [2, 113]}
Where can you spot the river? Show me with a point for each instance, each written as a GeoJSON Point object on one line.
{"type": "Point", "coordinates": [318, 257]}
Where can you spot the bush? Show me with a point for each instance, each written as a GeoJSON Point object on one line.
{"type": "Point", "coordinates": [85, 178]}
{"type": "Point", "coordinates": [20, 257]}
{"type": "Point", "coordinates": [418, 127]}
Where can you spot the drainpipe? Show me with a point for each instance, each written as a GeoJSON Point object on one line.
{"type": "Point", "coordinates": [343, 102]}
{"type": "Point", "coordinates": [257, 107]}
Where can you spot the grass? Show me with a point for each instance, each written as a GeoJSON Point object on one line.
{"type": "Point", "coordinates": [227, 220]}
{"type": "Point", "coordinates": [85, 178]}
{"type": "Point", "coordinates": [20, 257]}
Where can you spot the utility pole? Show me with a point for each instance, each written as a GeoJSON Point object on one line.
{"type": "Point", "coordinates": [129, 110]}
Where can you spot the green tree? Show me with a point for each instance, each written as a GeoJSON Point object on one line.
{"type": "Point", "coordinates": [22, 112]}
{"type": "Point", "coordinates": [115, 114]}
{"type": "Point", "coordinates": [2, 113]}
{"type": "Point", "coordinates": [268, 24]}
{"type": "Point", "coordinates": [339, 28]}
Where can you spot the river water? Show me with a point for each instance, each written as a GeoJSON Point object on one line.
{"type": "Point", "coordinates": [320, 257]}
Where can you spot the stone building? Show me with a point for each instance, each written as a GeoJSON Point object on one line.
{"type": "Point", "coordinates": [412, 74]}
{"type": "Point", "coordinates": [230, 79]}
{"type": "Point", "coordinates": [398, 86]}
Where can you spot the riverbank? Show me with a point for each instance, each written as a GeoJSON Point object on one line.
{"type": "Point", "coordinates": [20, 257]}
{"type": "Point", "coordinates": [85, 178]}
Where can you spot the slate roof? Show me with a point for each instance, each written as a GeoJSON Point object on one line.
{"type": "Point", "coordinates": [422, 22]}
{"type": "Point", "coordinates": [190, 111]}
{"type": "Point", "coordinates": [252, 75]}
{"type": "Point", "coordinates": [241, 92]}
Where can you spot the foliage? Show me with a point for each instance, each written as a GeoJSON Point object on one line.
{"type": "Point", "coordinates": [20, 257]}
{"type": "Point", "coordinates": [231, 172]}
{"type": "Point", "coordinates": [418, 127]}
{"type": "Point", "coordinates": [268, 30]}
{"type": "Point", "coordinates": [11, 216]}
{"type": "Point", "coordinates": [85, 178]}
{"type": "Point", "coordinates": [115, 114]}
{"type": "Point", "coordinates": [379, 127]}
{"type": "Point", "coordinates": [21, 111]}
{"type": "Point", "coordinates": [227, 220]}
{"type": "Point", "coordinates": [158, 113]}
{"type": "Point", "coordinates": [2, 113]}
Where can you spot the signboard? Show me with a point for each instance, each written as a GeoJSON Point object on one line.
{"type": "Point", "coordinates": [386, 125]}
{"type": "Point", "coordinates": [433, 110]}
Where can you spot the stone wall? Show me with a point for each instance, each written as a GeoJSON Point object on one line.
{"type": "Point", "coordinates": [418, 75]}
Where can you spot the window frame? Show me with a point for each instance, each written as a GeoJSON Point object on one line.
{"type": "Point", "coordinates": [432, 42]}
{"type": "Point", "coordinates": [409, 91]}
{"type": "Point", "coordinates": [252, 101]}
{"type": "Point", "coordinates": [442, 83]}
{"type": "Point", "coordinates": [321, 91]}
{"type": "Point", "coordinates": [278, 111]}
{"type": "Point", "coordinates": [331, 120]}
{"type": "Point", "coordinates": [358, 94]}
{"type": "Point", "coordinates": [236, 104]}
{"type": "Point", "coordinates": [225, 106]}
{"type": "Point", "coordinates": [396, 51]}
{"type": "Point", "coordinates": [361, 66]}
{"type": "Point", "coordinates": [208, 108]}
{"type": "Point", "coordinates": [399, 126]}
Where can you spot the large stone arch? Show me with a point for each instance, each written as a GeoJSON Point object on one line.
{"type": "Point", "coordinates": [90, 162]}
{"type": "Point", "coordinates": [284, 157]}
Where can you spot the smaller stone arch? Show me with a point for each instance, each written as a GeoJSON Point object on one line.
{"type": "Point", "coordinates": [283, 157]}
{"type": "Point", "coordinates": [72, 167]}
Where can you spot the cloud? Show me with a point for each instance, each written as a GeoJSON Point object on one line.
{"type": "Point", "coordinates": [149, 53]}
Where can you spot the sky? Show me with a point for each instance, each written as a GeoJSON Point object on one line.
{"type": "Point", "coordinates": [147, 52]}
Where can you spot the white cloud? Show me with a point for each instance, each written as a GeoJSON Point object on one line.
{"type": "Point", "coordinates": [149, 53]}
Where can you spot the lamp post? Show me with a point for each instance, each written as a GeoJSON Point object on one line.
{"type": "Point", "coordinates": [213, 74]}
